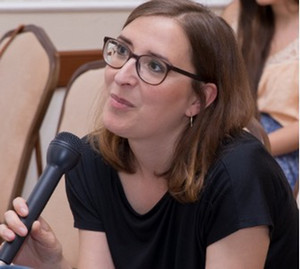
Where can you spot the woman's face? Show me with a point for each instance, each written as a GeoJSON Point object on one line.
{"type": "Point", "coordinates": [137, 110]}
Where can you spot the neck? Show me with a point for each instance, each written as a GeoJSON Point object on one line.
{"type": "Point", "coordinates": [154, 152]}
{"type": "Point", "coordinates": [285, 11]}
{"type": "Point", "coordinates": [152, 157]}
{"type": "Point", "coordinates": [286, 25]}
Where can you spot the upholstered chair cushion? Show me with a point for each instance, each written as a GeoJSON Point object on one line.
{"type": "Point", "coordinates": [28, 75]}
{"type": "Point", "coordinates": [77, 117]}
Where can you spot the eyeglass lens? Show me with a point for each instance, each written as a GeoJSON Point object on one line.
{"type": "Point", "coordinates": [150, 69]}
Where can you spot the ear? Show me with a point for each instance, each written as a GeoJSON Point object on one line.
{"type": "Point", "coordinates": [211, 92]}
{"type": "Point", "coordinates": [194, 107]}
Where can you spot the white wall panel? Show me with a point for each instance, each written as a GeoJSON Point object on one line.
{"type": "Point", "coordinates": [74, 25]}
{"type": "Point", "coordinates": [71, 5]}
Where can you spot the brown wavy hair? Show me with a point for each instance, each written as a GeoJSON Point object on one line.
{"type": "Point", "coordinates": [216, 58]}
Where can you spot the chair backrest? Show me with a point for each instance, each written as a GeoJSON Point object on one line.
{"type": "Point", "coordinates": [79, 102]}
{"type": "Point", "coordinates": [77, 118]}
{"type": "Point", "coordinates": [29, 68]}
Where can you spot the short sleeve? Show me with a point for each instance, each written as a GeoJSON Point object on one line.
{"type": "Point", "coordinates": [240, 193]}
{"type": "Point", "coordinates": [81, 183]}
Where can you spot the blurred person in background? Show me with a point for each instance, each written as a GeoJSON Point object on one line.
{"type": "Point", "coordinates": [268, 35]}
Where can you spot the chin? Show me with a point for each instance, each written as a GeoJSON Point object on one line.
{"type": "Point", "coordinates": [114, 127]}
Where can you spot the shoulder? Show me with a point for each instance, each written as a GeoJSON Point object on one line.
{"type": "Point", "coordinates": [246, 153]}
{"type": "Point", "coordinates": [90, 153]}
{"type": "Point", "coordinates": [253, 169]}
{"type": "Point", "coordinates": [235, 193]}
{"type": "Point", "coordinates": [248, 173]}
{"type": "Point", "coordinates": [245, 188]}
{"type": "Point", "coordinates": [91, 166]}
{"type": "Point", "coordinates": [244, 144]}
{"type": "Point", "coordinates": [90, 178]}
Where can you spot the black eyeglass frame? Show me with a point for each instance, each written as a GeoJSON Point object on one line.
{"type": "Point", "coordinates": [137, 57]}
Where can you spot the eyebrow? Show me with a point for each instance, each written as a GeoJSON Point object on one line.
{"type": "Point", "coordinates": [129, 42]}
{"type": "Point", "coordinates": [124, 39]}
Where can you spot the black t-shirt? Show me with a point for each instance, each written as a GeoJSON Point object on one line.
{"type": "Point", "coordinates": [244, 188]}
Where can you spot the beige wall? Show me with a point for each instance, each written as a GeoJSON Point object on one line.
{"type": "Point", "coordinates": [73, 29]}
{"type": "Point", "coordinates": [69, 30]}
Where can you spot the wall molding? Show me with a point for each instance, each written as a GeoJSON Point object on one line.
{"type": "Point", "coordinates": [82, 6]}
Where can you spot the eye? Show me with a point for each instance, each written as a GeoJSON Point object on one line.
{"type": "Point", "coordinates": [122, 50]}
{"type": "Point", "coordinates": [156, 66]}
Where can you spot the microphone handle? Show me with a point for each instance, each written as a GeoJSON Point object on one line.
{"type": "Point", "coordinates": [36, 203]}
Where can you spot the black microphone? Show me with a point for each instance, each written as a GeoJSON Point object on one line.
{"type": "Point", "coordinates": [63, 154]}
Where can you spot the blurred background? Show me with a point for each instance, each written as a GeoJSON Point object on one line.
{"type": "Point", "coordinates": [75, 24]}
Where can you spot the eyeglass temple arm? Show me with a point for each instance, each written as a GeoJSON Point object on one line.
{"type": "Point", "coordinates": [193, 76]}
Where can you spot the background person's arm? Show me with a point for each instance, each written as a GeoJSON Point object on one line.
{"type": "Point", "coordinates": [285, 140]}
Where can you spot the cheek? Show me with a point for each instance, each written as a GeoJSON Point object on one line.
{"type": "Point", "coordinates": [171, 99]}
{"type": "Point", "coordinates": [109, 74]}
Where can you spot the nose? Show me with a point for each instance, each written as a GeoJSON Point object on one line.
{"type": "Point", "coordinates": [127, 74]}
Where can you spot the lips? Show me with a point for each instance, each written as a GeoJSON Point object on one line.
{"type": "Point", "coordinates": [121, 101]}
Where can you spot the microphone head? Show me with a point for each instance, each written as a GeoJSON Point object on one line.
{"type": "Point", "coordinates": [64, 151]}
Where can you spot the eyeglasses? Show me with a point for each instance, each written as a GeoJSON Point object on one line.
{"type": "Point", "coordinates": [150, 69]}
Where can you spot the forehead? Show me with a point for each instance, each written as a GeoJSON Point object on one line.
{"type": "Point", "coordinates": [157, 34]}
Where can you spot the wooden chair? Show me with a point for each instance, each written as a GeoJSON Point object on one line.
{"type": "Point", "coordinates": [28, 75]}
{"type": "Point", "coordinates": [76, 117]}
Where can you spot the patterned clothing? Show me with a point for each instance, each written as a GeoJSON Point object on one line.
{"type": "Point", "coordinates": [278, 99]}
{"type": "Point", "coordinates": [288, 162]}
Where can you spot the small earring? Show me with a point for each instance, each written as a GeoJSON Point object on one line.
{"type": "Point", "coordinates": [191, 121]}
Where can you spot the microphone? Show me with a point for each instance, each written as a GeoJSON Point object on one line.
{"type": "Point", "coordinates": [63, 154]}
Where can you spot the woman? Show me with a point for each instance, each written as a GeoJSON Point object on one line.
{"type": "Point", "coordinates": [268, 34]}
{"type": "Point", "coordinates": [170, 178]}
